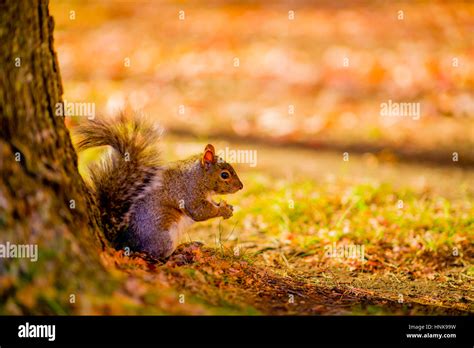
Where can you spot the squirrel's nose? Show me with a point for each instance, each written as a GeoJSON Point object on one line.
{"type": "Point", "coordinates": [241, 186]}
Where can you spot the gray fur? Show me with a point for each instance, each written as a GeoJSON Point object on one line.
{"type": "Point", "coordinates": [146, 205]}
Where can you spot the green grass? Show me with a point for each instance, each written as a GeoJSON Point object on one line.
{"type": "Point", "coordinates": [308, 214]}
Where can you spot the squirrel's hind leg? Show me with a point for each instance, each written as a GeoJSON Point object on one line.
{"type": "Point", "coordinates": [157, 232]}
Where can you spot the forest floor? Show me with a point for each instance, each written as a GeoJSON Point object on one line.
{"type": "Point", "coordinates": [313, 234]}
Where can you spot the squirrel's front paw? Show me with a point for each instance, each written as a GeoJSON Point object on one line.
{"type": "Point", "coordinates": [225, 210]}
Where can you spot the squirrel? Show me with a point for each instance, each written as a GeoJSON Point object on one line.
{"type": "Point", "coordinates": [145, 205]}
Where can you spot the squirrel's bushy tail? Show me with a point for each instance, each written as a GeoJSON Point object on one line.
{"type": "Point", "coordinates": [127, 174]}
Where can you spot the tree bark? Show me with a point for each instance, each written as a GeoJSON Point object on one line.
{"type": "Point", "coordinates": [43, 199]}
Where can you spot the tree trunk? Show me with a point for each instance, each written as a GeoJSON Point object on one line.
{"type": "Point", "coordinates": [43, 199]}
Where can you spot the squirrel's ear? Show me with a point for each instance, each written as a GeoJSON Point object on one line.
{"type": "Point", "coordinates": [208, 156]}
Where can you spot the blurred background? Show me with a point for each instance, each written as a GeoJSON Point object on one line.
{"type": "Point", "coordinates": [311, 73]}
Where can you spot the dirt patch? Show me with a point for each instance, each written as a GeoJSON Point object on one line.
{"type": "Point", "coordinates": [223, 281]}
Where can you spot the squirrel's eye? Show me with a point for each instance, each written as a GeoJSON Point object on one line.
{"type": "Point", "coordinates": [225, 175]}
